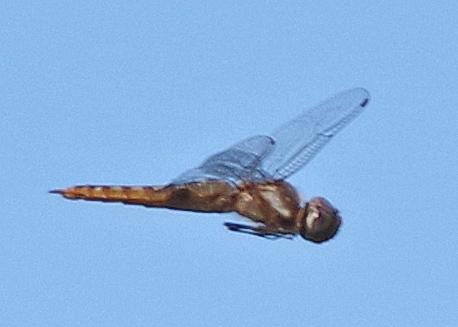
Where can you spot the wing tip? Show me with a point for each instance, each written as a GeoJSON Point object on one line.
{"type": "Point", "coordinates": [363, 94]}
{"type": "Point", "coordinates": [358, 94]}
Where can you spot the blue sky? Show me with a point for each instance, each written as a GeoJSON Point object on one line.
{"type": "Point", "coordinates": [122, 93]}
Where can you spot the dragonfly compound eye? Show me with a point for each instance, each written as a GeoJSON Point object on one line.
{"type": "Point", "coordinates": [321, 221]}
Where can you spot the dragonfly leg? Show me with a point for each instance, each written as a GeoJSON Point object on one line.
{"type": "Point", "coordinates": [261, 231]}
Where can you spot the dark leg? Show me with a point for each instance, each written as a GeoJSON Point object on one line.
{"type": "Point", "coordinates": [261, 231]}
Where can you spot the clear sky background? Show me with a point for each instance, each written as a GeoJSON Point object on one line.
{"type": "Point", "coordinates": [135, 93]}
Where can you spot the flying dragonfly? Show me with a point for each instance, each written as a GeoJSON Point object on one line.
{"type": "Point", "coordinates": [249, 178]}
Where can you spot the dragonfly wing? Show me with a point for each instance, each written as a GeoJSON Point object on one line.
{"type": "Point", "coordinates": [300, 139]}
{"type": "Point", "coordinates": [240, 161]}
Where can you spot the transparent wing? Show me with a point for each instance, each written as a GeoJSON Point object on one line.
{"type": "Point", "coordinates": [240, 161]}
{"type": "Point", "coordinates": [299, 140]}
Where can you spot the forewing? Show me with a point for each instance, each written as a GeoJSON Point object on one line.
{"type": "Point", "coordinates": [299, 140]}
{"type": "Point", "coordinates": [240, 161]}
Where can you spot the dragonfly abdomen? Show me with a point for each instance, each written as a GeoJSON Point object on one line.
{"type": "Point", "coordinates": [147, 195]}
{"type": "Point", "coordinates": [207, 196]}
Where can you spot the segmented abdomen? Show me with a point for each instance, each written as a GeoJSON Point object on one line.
{"type": "Point", "coordinates": [127, 194]}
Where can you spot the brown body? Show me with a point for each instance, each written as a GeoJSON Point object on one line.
{"type": "Point", "coordinates": [275, 205]}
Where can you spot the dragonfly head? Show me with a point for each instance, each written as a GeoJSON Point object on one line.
{"type": "Point", "coordinates": [320, 220]}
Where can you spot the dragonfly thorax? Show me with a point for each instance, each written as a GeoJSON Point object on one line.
{"type": "Point", "coordinates": [275, 204]}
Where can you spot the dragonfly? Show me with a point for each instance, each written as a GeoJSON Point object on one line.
{"type": "Point", "coordinates": [249, 178]}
